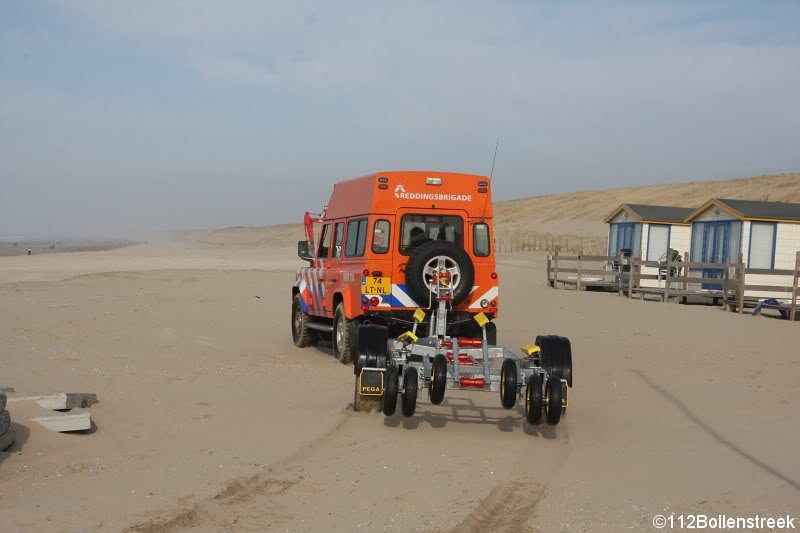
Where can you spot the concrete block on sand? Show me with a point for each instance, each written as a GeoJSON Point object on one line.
{"type": "Point", "coordinates": [60, 400]}
{"type": "Point", "coordinates": [72, 420]}
{"type": "Point", "coordinates": [7, 439]}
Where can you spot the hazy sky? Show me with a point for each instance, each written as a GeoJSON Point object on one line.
{"type": "Point", "coordinates": [118, 117]}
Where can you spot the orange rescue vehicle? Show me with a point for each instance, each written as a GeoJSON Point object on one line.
{"type": "Point", "coordinates": [375, 251]}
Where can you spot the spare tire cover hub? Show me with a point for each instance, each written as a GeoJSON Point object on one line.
{"type": "Point", "coordinates": [437, 264]}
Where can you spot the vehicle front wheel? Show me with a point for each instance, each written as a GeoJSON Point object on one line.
{"type": "Point", "coordinates": [345, 336]}
{"type": "Point", "coordinates": [301, 333]}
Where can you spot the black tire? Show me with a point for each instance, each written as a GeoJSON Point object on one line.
{"type": "Point", "coordinates": [509, 380]}
{"type": "Point", "coordinates": [556, 356]}
{"type": "Point", "coordinates": [364, 404]}
{"type": "Point", "coordinates": [391, 383]}
{"type": "Point", "coordinates": [534, 400]}
{"type": "Point", "coordinates": [554, 395]}
{"type": "Point", "coordinates": [344, 346]}
{"type": "Point", "coordinates": [5, 421]}
{"type": "Point", "coordinates": [302, 335]}
{"type": "Point", "coordinates": [491, 333]}
{"type": "Point", "coordinates": [427, 251]}
{"type": "Point", "coordinates": [438, 379]}
{"type": "Point", "coordinates": [7, 439]}
{"type": "Point", "coordinates": [410, 386]}
{"type": "Point", "coordinates": [473, 331]}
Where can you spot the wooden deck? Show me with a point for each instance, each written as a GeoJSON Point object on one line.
{"type": "Point", "coordinates": [681, 280]}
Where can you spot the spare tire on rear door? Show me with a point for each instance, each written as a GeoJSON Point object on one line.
{"type": "Point", "coordinates": [434, 255]}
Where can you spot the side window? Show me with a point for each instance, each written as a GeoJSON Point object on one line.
{"type": "Point", "coordinates": [480, 239]}
{"type": "Point", "coordinates": [338, 233]}
{"type": "Point", "coordinates": [356, 237]}
{"type": "Point", "coordinates": [380, 237]}
{"type": "Point", "coordinates": [323, 242]}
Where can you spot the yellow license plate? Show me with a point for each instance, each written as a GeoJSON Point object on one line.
{"type": "Point", "coordinates": [376, 285]}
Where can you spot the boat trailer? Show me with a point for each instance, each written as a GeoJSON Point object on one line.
{"type": "Point", "coordinates": [386, 369]}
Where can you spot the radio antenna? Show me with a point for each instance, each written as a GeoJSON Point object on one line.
{"type": "Point", "coordinates": [493, 160]}
{"type": "Point", "coordinates": [491, 174]}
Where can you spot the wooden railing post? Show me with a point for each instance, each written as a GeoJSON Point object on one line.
{"type": "Point", "coordinates": [549, 266]}
{"type": "Point", "coordinates": [580, 267]}
{"type": "Point", "coordinates": [630, 278]}
{"type": "Point", "coordinates": [667, 280]}
{"type": "Point", "coordinates": [555, 271]}
{"type": "Point", "coordinates": [725, 281]}
{"type": "Point", "coordinates": [685, 271]}
{"type": "Point", "coordinates": [620, 272]}
{"type": "Point", "coordinates": [793, 310]}
{"type": "Point", "coordinates": [741, 283]}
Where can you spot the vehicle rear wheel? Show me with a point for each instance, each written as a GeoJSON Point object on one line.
{"type": "Point", "coordinates": [365, 404]}
{"type": "Point", "coordinates": [533, 400]}
{"type": "Point", "coordinates": [409, 396]}
{"type": "Point", "coordinates": [345, 336]}
{"type": "Point", "coordinates": [391, 382]}
{"type": "Point", "coordinates": [301, 333]}
{"type": "Point", "coordinates": [438, 379]}
{"type": "Point", "coordinates": [508, 383]}
{"type": "Point", "coordinates": [473, 331]}
{"type": "Point", "coordinates": [554, 397]}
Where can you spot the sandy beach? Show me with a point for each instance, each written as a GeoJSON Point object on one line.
{"type": "Point", "coordinates": [210, 419]}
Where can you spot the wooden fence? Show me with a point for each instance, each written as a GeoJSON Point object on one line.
{"type": "Point", "coordinates": [519, 241]}
{"type": "Point", "coordinates": [680, 278]}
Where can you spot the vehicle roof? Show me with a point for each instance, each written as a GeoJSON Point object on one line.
{"type": "Point", "coordinates": [409, 189]}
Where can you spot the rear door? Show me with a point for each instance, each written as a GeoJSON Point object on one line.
{"type": "Point", "coordinates": [439, 224]}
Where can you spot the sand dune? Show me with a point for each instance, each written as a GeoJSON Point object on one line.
{"type": "Point", "coordinates": [582, 213]}
{"type": "Point", "coordinates": [574, 220]}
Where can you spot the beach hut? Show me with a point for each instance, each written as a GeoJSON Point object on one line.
{"type": "Point", "coordinates": [767, 234]}
{"type": "Point", "coordinates": [648, 231]}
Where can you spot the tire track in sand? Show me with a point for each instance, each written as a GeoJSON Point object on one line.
{"type": "Point", "coordinates": [390, 476]}
{"type": "Point", "coordinates": [511, 505]}
{"type": "Point", "coordinates": [205, 513]}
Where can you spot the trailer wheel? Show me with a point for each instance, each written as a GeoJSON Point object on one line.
{"type": "Point", "coordinates": [365, 404]}
{"type": "Point", "coordinates": [301, 333]}
{"type": "Point", "coordinates": [409, 396]}
{"type": "Point", "coordinates": [438, 379]}
{"type": "Point", "coordinates": [556, 356]}
{"type": "Point", "coordinates": [391, 382]}
{"type": "Point", "coordinates": [533, 400]}
{"type": "Point", "coordinates": [345, 336]}
{"type": "Point", "coordinates": [554, 396]}
{"type": "Point", "coordinates": [509, 380]}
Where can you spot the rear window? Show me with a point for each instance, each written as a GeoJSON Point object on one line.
{"type": "Point", "coordinates": [419, 229]}
{"type": "Point", "coordinates": [356, 238]}
{"type": "Point", "coordinates": [480, 239]}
